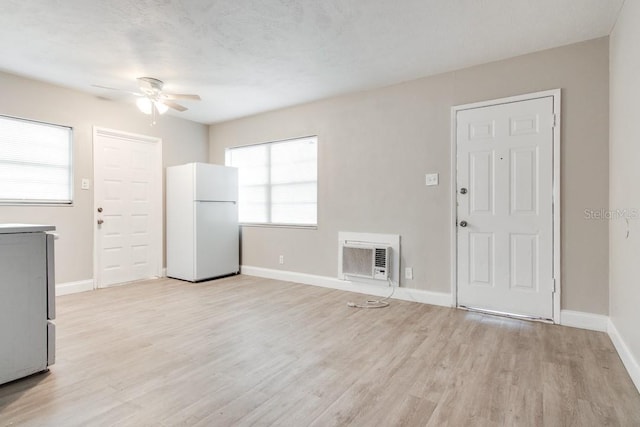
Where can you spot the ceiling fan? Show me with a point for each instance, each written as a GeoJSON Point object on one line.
{"type": "Point", "coordinates": [151, 98]}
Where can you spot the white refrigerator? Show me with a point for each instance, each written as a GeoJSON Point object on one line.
{"type": "Point", "coordinates": [203, 235]}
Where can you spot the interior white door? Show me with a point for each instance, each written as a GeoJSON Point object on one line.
{"type": "Point", "coordinates": [128, 207]}
{"type": "Point", "coordinates": [505, 208]}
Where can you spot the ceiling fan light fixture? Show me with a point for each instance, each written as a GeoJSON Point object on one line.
{"type": "Point", "coordinates": [162, 108]}
{"type": "Point", "coordinates": [144, 105]}
{"type": "Point", "coordinates": [153, 101]}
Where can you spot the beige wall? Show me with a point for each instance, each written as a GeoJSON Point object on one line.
{"type": "Point", "coordinates": [625, 175]}
{"type": "Point", "coordinates": [183, 141]}
{"type": "Point", "coordinates": [376, 146]}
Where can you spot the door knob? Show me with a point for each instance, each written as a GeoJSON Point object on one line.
{"type": "Point", "coordinates": [463, 191]}
{"type": "Point", "coordinates": [99, 209]}
{"type": "Point", "coordinates": [463, 223]}
{"type": "Point", "coordinates": [100, 221]}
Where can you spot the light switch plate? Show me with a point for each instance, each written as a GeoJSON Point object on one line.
{"type": "Point", "coordinates": [85, 184]}
{"type": "Point", "coordinates": [431, 179]}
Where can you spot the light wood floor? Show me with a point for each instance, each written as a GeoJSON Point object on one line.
{"type": "Point", "coordinates": [249, 351]}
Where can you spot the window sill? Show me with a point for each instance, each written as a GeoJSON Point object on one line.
{"type": "Point", "coordinates": [307, 227]}
{"type": "Point", "coordinates": [36, 204]}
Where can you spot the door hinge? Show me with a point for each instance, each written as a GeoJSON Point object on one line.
{"type": "Point", "coordinates": [553, 288]}
{"type": "Point", "coordinates": [554, 120]}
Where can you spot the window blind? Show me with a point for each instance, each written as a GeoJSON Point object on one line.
{"type": "Point", "coordinates": [35, 162]}
{"type": "Point", "coordinates": [278, 181]}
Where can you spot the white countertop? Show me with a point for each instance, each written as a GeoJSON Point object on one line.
{"type": "Point", "coordinates": [24, 228]}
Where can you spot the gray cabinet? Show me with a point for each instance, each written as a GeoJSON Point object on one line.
{"type": "Point", "coordinates": [27, 300]}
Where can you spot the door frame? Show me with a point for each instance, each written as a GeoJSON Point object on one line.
{"type": "Point", "coordinates": [555, 94]}
{"type": "Point", "coordinates": [157, 195]}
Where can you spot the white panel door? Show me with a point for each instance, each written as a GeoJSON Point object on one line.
{"type": "Point", "coordinates": [505, 208]}
{"type": "Point", "coordinates": [128, 207]}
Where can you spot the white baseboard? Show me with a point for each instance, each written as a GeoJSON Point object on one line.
{"type": "Point", "coordinates": [88, 285]}
{"type": "Point", "coordinates": [582, 320]}
{"type": "Point", "coordinates": [629, 362]}
{"type": "Point", "coordinates": [406, 294]}
{"type": "Point", "coordinates": [74, 287]}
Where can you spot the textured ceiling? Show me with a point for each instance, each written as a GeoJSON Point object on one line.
{"type": "Point", "coordinates": [247, 56]}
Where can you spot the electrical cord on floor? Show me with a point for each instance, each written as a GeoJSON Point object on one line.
{"type": "Point", "coordinates": [374, 303]}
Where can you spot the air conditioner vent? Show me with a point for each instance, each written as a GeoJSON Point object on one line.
{"type": "Point", "coordinates": [369, 258]}
{"type": "Point", "coordinates": [381, 257]}
{"type": "Point", "coordinates": [357, 261]}
{"type": "Point", "coordinates": [367, 261]}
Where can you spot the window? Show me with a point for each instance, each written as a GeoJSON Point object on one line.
{"type": "Point", "coordinates": [35, 162]}
{"type": "Point", "coordinates": [278, 181]}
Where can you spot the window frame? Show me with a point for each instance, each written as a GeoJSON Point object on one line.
{"type": "Point", "coordinates": [45, 203]}
{"type": "Point", "coordinates": [269, 199]}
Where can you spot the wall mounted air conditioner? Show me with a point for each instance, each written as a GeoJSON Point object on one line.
{"type": "Point", "coordinates": [364, 260]}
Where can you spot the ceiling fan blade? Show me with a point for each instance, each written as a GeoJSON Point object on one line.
{"type": "Point", "coordinates": [174, 105]}
{"type": "Point", "coordinates": [118, 90]}
{"type": "Point", "coordinates": [181, 96]}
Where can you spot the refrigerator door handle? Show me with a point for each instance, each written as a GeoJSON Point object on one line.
{"type": "Point", "coordinates": [51, 343]}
